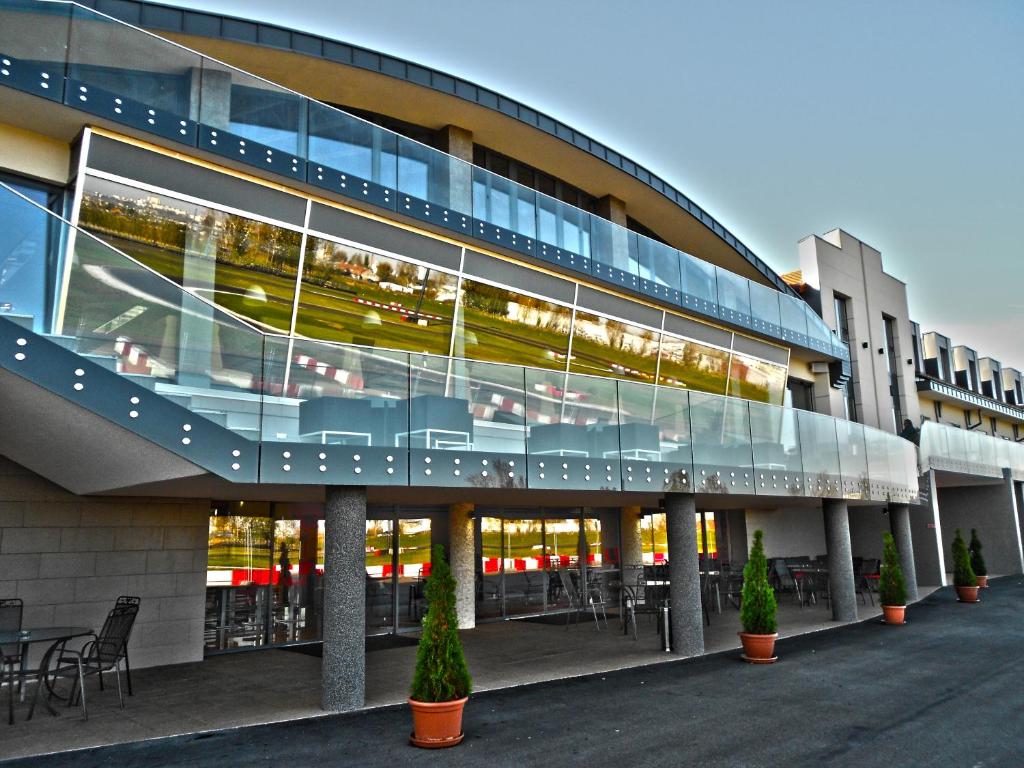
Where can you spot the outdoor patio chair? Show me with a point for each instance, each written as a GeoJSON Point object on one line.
{"type": "Point", "coordinates": [860, 581]}
{"type": "Point", "coordinates": [10, 655]}
{"type": "Point", "coordinates": [137, 602]}
{"type": "Point", "coordinates": [638, 599]}
{"type": "Point", "coordinates": [103, 653]}
{"type": "Point", "coordinates": [589, 597]}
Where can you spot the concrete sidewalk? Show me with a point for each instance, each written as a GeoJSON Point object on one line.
{"type": "Point", "coordinates": [943, 690]}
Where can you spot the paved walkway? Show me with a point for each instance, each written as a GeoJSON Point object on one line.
{"type": "Point", "coordinates": [943, 690]}
{"type": "Point", "coordinates": [260, 687]}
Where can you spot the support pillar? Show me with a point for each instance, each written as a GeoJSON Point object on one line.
{"type": "Point", "coordinates": [899, 522]}
{"type": "Point", "coordinates": [458, 142]}
{"type": "Point", "coordinates": [684, 573]}
{"type": "Point", "coordinates": [1011, 492]}
{"type": "Point", "coordinates": [343, 672]}
{"type": "Point", "coordinates": [840, 560]}
{"type": "Point", "coordinates": [462, 561]}
{"type": "Point", "coordinates": [631, 543]}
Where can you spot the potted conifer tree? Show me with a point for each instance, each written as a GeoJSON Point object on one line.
{"type": "Point", "coordinates": [758, 608]}
{"type": "Point", "coordinates": [977, 561]}
{"type": "Point", "coordinates": [892, 590]}
{"type": "Point", "coordinates": [441, 683]}
{"type": "Point", "coordinates": [964, 580]}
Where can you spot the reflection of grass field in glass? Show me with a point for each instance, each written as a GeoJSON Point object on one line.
{"type": "Point", "coordinates": [598, 359]}
{"type": "Point", "coordinates": [504, 341]}
{"type": "Point", "coordinates": [237, 556]}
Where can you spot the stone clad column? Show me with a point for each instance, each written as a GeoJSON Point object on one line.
{"type": "Point", "coordinates": [899, 522]}
{"type": "Point", "coordinates": [461, 559]}
{"type": "Point", "coordinates": [840, 559]}
{"type": "Point", "coordinates": [630, 534]}
{"type": "Point", "coordinates": [343, 673]}
{"type": "Point", "coordinates": [684, 573]}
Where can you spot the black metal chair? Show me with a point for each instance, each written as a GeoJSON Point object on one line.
{"type": "Point", "coordinates": [137, 602]}
{"type": "Point", "coordinates": [11, 610]}
{"type": "Point", "coordinates": [103, 653]}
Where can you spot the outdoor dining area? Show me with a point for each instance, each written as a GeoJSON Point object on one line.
{"type": "Point", "coordinates": [48, 664]}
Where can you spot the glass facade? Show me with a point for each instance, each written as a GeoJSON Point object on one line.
{"type": "Point", "coordinates": [355, 294]}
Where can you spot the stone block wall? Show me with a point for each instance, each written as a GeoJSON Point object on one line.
{"type": "Point", "coordinates": [69, 557]}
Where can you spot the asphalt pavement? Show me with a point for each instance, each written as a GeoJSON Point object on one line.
{"type": "Point", "coordinates": [944, 690]}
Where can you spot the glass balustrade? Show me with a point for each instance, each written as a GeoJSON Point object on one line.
{"type": "Point", "coordinates": [92, 62]}
{"type": "Point", "coordinates": [958, 450]}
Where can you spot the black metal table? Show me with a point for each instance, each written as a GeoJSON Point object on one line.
{"type": "Point", "coordinates": [57, 637]}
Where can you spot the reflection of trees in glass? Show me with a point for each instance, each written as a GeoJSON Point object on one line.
{"type": "Point", "coordinates": [237, 541]}
{"type": "Point", "coordinates": [693, 365]}
{"type": "Point", "coordinates": [754, 379]}
{"type": "Point", "coordinates": [607, 347]}
{"type": "Point", "coordinates": [500, 325]}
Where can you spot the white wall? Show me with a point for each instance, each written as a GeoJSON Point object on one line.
{"type": "Point", "coordinates": [69, 557]}
{"type": "Point", "coordinates": [788, 532]}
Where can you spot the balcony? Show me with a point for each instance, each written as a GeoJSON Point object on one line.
{"type": "Point", "coordinates": [73, 56]}
{"type": "Point", "coordinates": [965, 452]}
{"type": "Point", "coordinates": [934, 389]}
{"type": "Point", "coordinates": [212, 389]}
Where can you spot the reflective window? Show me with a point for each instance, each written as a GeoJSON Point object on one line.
{"type": "Point", "coordinates": [605, 347]}
{"type": "Point", "coordinates": [687, 363]}
{"type": "Point", "coordinates": [244, 265]}
{"type": "Point", "coordinates": [28, 252]}
{"type": "Point", "coordinates": [357, 296]}
{"type": "Point", "coordinates": [654, 537]}
{"type": "Point", "coordinates": [500, 325]}
{"type": "Point", "coordinates": [755, 379]}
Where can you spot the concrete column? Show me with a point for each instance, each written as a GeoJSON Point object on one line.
{"type": "Point", "coordinates": [632, 553]}
{"type": "Point", "coordinates": [899, 521]}
{"type": "Point", "coordinates": [458, 142]}
{"type": "Point", "coordinates": [684, 573]}
{"type": "Point", "coordinates": [343, 673]}
{"type": "Point", "coordinates": [840, 560]}
{"type": "Point", "coordinates": [210, 97]}
{"type": "Point", "coordinates": [461, 558]}
{"type": "Point", "coordinates": [1011, 493]}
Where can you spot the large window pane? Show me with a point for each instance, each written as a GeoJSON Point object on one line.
{"type": "Point", "coordinates": [237, 581]}
{"type": "Point", "coordinates": [357, 296]}
{"type": "Point", "coordinates": [501, 325]}
{"type": "Point", "coordinates": [754, 379]}
{"type": "Point", "coordinates": [687, 363]}
{"type": "Point", "coordinates": [244, 265]}
{"type": "Point", "coordinates": [606, 347]}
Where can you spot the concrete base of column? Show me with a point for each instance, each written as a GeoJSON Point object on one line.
{"type": "Point", "coordinates": [461, 559]}
{"type": "Point", "coordinates": [842, 590]}
{"type": "Point", "coordinates": [899, 521]}
{"type": "Point", "coordinates": [684, 573]}
{"type": "Point", "coordinates": [343, 672]}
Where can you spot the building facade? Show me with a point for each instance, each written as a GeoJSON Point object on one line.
{"type": "Point", "coordinates": [278, 314]}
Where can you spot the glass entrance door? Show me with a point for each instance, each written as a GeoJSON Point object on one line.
{"type": "Point", "coordinates": [380, 567]}
{"type": "Point", "coordinates": [397, 565]}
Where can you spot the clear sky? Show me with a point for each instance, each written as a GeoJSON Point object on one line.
{"type": "Point", "coordinates": [900, 121]}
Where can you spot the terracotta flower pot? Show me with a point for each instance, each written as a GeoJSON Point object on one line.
{"type": "Point", "coordinates": [437, 724]}
{"type": "Point", "coordinates": [758, 649]}
{"type": "Point", "coordinates": [982, 581]}
{"type": "Point", "coordinates": [967, 594]}
{"type": "Point", "coordinates": [893, 614]}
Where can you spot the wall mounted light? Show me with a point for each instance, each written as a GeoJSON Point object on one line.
{"type": "Point", "coordinates": [910, 361]}
{"type": "Point", "coordinates": [881, 350]}
{"type": "Point", "coordinates": [864, 345]}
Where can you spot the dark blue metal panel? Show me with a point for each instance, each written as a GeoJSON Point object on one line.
{"type": "Point", "coordinates": [472, 469]}
{"type": "Point", "coordinates": [228, 144]}
{"type": "Point", "coordinates": [574, 473]}
{"type": "Point", "coordinates": [351, 186]}
{"type": "Point", "coordinates": [424, 210]}
{"type": "Point", "coordinates": [44, 79]}
{"type": "Point", "coordinates": [121, 109]}
{"type": "Point", "coordinates": [134, 407]}
{"type": "Point", "coordinates": [315, 464]}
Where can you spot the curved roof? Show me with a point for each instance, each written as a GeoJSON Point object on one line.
{"type": "Point", "coordinates": [233, 29]}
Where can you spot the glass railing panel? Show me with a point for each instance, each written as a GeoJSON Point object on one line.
{"type": "Point", "coordinates": [794, 319]}
{"type": "Point", "coordinates": [563, 232]}
{"type": "Point", "coordinates": [33, 46]}
{"type": "Point", "coordinates": [659, 269]}
{"type": "Point", "coordinates": [734, 298]}
{"type": "Point", "coordinates": [251, 120]}
{"type": "Point", "coordinates": [573, 437]}
{"type": "Point", "coordinates": [654, 438]}
{"type": "Point", "coordinates": [351, 157]}
{"type": "Point", "coordinates": [891, 466]}
{"type": "Point", "coordinates": [698, 285]}
{"type": "Point", "coordinates": [130, 320]}
{"type": "Point", "coordinates": [722, 453]}
{"type": "Point", "coordinates": [819, 336]}
{"type": "Point", "coordinates": [334, 413]}
{"type": "Point", "coordinates": [132, 77]}
{"type": "Point", "coordinates": [820, 450]}
{"type": "Point", "coordinates": [433, 186]}
{"type": "Point", "coordinates": [764, 310]}
{"type": "Point", "coordinates": [467, 424]}
{"type": "Point", "coordinates": [30, 251]}
{"type": "Point", "coordinates": [853, 460]}
{"type": "Point", "coordinates": [775, 441]}
{"type": "Point", "coordinates": [505, 212]}
{"type": "Point", "coordinates": [611, 257]}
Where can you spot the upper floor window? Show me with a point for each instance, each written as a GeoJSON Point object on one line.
{"type": "Point", "coordinates": [841, 304]}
